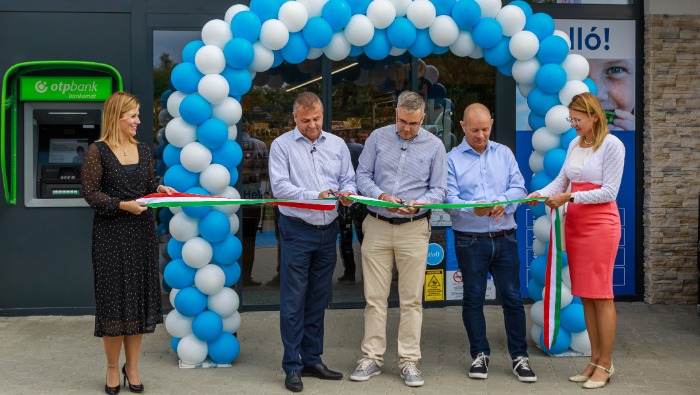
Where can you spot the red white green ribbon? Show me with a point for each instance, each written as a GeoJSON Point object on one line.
{"type": "Point", "coordinates": [552, 283]}
{"type": "Point", "coordinates": [381, 203]}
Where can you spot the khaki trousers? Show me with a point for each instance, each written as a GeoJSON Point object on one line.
{"type": "Point", "coordinates": [384, 244]}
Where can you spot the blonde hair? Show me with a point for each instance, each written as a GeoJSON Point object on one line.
{"type": "Point", "coordinates": [587, 103]}
{"type": "Point", "coordinates": [118, 104]}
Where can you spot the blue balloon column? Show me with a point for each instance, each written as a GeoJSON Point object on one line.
{"type": "Point", "coordinates": [221, 67]}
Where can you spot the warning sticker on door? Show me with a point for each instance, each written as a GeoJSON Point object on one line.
{"type": "Point", "coordinates": [434, 285]}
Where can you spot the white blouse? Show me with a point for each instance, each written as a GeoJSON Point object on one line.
{"type": "Point", "coordinates": [602, 167]}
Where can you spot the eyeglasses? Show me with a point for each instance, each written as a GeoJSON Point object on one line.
{"type": "Point", "coordinates": [410, 124]}
{"type": "Point", "coordinates": [573, 121]}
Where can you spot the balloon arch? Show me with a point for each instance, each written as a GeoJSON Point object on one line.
{"type": "Point", "coordinates": [202, 155]}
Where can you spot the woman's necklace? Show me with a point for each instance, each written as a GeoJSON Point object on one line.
{"type": "Point", "coordinates": [584, 141]}
{"type": "Point", "coordinates": [123, 150]}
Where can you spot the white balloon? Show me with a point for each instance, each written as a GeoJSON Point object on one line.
{"type": "Point", "coordinates": [571, 89]}
{"type": "Point", "coordinates": [512, 19]}
{"type": "Point", "coordinates": [464, 45]}
{"type": "Point", "coordinates": [536, 162]}
{"type": "Point", "coordinates": [180, 133]}
{"type": "Point", "coordinates": [543, 140]}
{"type": "Point", "coordinates": [421, 14]}
{"type": "Point", "coordinates": [397, 51]}
{"type": "Point", "coordinates": [233, 10]}
{"type": "Point", "coordinates": [177, 324]}
{"type": "Point", "coordinates": [535, 333]}
{"type": "Point", "coordinates": [525, 89]}
{"type": "Point", "coordinates": [489, 8]}
{"type": "Point", "coordinates": [232, 322]}
{"type": "Point", "coordinates": [210, 279]}
{"type": "Point", "coordinates": [537, 313]}
{"type": "Point", "coordinates": [223, 303]}
{"type": "Point", "coordinates": [197, 252]}
{"type": "Point", "coordinates": [274, 34]}
{"type": "Point", "coordinates": [539, 248]}
{"type": "Point", "coordinates": [339, 47]}
{"type": "Point", "coordinates": [191, 350]}
{"type": "Point", "coordinates": [229, 111]}
{"type": "Point", "coordinates": [173, 104]}
{"type": "Point", "coordinates": [576, 67]}
{"type": "Point", "coordinates": [524, 71]}
{"type": "Point", "coordinates": [263, 58]}
{"type": "Point", "coordinates": [444, 31]}
{"type": "Point", "coordinates": [359, 30]}
{"type": "Point", "coordinates": [564, 36]}
{"type": "Point", "coordinates": [314, 7]}
{"type": "Point", "coordinates": [195, 157]}
{"type": "Point", "coordinates": [215, 178]}
{"type": "Point", "coordinates": [175, 210]}
{"type": "Point", "coordinates": [566, 277]}
{"type": "Point", "coordinates": [580, 342]}
{"type": "Point", "coordinates": [315, 53]}
{"type": "Point", "coordinates": [173, 294]}
{"type": "Point", "coordinates": [294, 15]}
{"type": "Point", "coordinates": [232, 132]}
{"type": "Point", "coordinates": [213, 88]}
{"type": "Point", "coordinates": [382, 13]}
{"type": "Point", "coordinates": [229, 209]}
{"type": "Point", "coordinates": [555, 119]}
{"type": "Point", "coordinates": [401, 6]}
{"type": "Point", "coordinates": [477, 53]}
{"type": "Point", "coordinates": [216, 32]}
{"type": "Point", "coordinates": [524, 45]}
{"type": "Point", "coordinates": [235, 223]}
{"type": "Point", "coordinates": [541, 228]}
{"type": "Point", "coordinates": [566, 296]}
{"type": "Point", "coordinates": [210, 60]}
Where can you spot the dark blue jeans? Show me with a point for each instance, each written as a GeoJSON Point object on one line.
{"type": "Point", "coordinates": [477, 256]}
{"type": "Point", "coordinates": [306, 268]}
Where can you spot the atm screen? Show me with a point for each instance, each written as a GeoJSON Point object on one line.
{"type": "Point", "coordinates": [62, 151]}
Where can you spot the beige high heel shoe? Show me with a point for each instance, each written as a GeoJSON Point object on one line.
{"type": "Point", "coordinates": [580, 378]}
{"type": "Point", "coordinates": [599, 384]}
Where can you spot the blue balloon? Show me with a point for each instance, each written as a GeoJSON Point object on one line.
{"type": "Point", "coordinates": [195, 109]}
{"type": "Point", "coordinates": [167, 288]}
{"type": "Point", "coordinates": [359, 6]}
{"type": "Point", "coordinates": [487, 33]}
{"type": "Point", "coordinates": [536, 121]}
{"type": "Point", "coordinates": [212, 133]}
{"type": "Point", "coordinates": [164, 98]}
{"type": "Point", "coordinates": [279, 59]}
{"type": "Point", "coordinates": [228, 155]}
{"type": "Point", "coordinates": [562, 343]}
{"type": "Point", "coordinates": [197, 211]}
{"type": "Point", "coordinates": [553, 49]}
{"type": "Point", "coordinates": [207, 326]}
{"type": "Point", "coordinates": [228, 251]}
{"type": "Point", "coordinates": [296, 49]}
{"type": "Point", "coordinates": [443, 7]}
{"type": "Point", "coordinates": [190, 301]}
{"type": "Point", "coordinates": [265, 9]}
{"type": "Point", "coordinates": [174, 341]}
{"type": "Point", "coordinates": [224, 349]}
{"type": "Point", "coordinates": [507, 69]}
{"type": "Point", "coordinates": [550, 78]}
{"type": "Point", "coordinates": [246, 25]}
{"type": "Point", "coordinates": [540, 102]}
{"type": "Point", "coordinates": [466, 14]}
{"type": "Point", "coordinates": [231, 272]}
{"type": "Point", "coordinates": [178, 275]}
{"type": "Point", "coordinates": [185, 77]}
{"type": "Point", "coordinates": [523, 6]}
{"type": "Point", "coordinates": [499, 54]}
{"type": "Point", "coordinates": [214, 227]}
{"type": "Point", "coordinates": [553, 161]}
{"type": "Point", "coordinates": [438, 50]}
{"type": "Point", "coordinates": [355, 51]}
{"type": "Point", "coordinates": [239, 53]}
{"type": "Point", "coordinates": [401, 33]}
{"type": "Point", "coordinates": [379, 46]}
{"type": "Point", "coordinates": [564, 259]}
{"type": "Point", "coordinates": [534, 289]}
{"type": "Point", "coordinates": [538, 269]}
{"type": "Point", "coordinates": [337, 13]}
{"type": "Point", "coordinates": [576, 299]}
{"type": "Point", "coordinates": [567, 137]}
{"type": "Point", "coordinates": [592, 87]}
{"type": "Point", "coordinates": [540, 180]}
{"type": "Point", "coordinates": [180, 178]}
{"type": "Point", "coordinates": [537, 211]}
{"type": "Point", "coordinates": [423, 45]}
{"type": "Point", "coordinates": [190, 50]}
{"type": "Point", "coordinates": [234, 176]}
{"type": "Point", "coordinates": [171, 155]}
{"type": "Point", "coordinates": [541, 24]}
{"type": "Point", "coordinates": [317, 32]}
{"type": "Point", "coordinates": [175, 248]}
{"type": "Point", "coordinates": [239, 81]}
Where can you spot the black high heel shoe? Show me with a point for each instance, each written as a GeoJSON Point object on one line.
{"type": "Point", "coordinates": [112, 390]}
{"type": "Point", "coordinates": [132, 387]}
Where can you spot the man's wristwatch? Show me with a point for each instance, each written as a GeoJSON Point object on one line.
{"type": "Point", "coordinates": [571, 199]}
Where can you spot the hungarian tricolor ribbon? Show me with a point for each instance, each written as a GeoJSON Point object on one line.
{"type": "Point", "coordinates": [552, 283]}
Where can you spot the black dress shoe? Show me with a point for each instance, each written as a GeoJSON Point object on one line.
{"type": "Point", "coordinates": [347, 278]}
{"type": "Point", "coordinates": [293, 381]}
{"type": "Point", "coordinates": [322, 372]}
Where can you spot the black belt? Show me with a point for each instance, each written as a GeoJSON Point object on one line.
{"type": "Point", "coordinates": [499, 233]}
{"type": "Point", "coordinates": [398, 220]}
{"type": "Point", "coordinates": [301, 221]}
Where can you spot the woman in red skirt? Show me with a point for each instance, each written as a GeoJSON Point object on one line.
{"type": "Point", "coordinates": [593, 169]}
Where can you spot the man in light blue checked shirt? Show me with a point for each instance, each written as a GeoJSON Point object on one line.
{"type": "Point", "coordinates": [307, 163]}
{"type": "Point", "coordinates": [401, 163]}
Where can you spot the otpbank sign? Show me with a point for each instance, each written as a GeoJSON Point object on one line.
{"type": "Point", "coordinates": [65, 88]}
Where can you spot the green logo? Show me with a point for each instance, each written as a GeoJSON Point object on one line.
{"type": "Point", "coordinates": [65, 88]}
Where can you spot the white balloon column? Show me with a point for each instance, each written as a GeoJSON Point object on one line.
{"type": "Point", "coordinates": [217, 70]}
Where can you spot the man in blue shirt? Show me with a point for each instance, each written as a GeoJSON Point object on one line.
{"type": "Point", "coordinates": [481, 171]}
{"type": "Point", "coordinates": [307, 163]}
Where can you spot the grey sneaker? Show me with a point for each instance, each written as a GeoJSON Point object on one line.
{"type": "Point", "coordinates": [522, 369]}
{"type": "Point", "coordinates": [411, 375]}
{"type": "Point", "coordinates": [480, 367]}
{"type": "Point", "coordinates": [366, 369]}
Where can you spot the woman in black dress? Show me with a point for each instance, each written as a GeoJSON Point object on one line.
{"type": "Point", "coordinates": [117, 169]}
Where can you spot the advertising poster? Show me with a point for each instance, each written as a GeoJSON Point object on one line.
{"type": "Point", "coordinates": [609, 47]}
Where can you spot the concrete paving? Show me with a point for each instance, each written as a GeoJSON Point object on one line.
{"type": "Point", "coordinates": [656, 351]}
